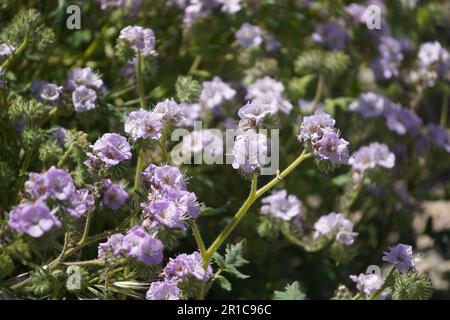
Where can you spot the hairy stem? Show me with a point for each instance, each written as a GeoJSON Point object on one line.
{"type": "Point", "coordinates": [319, 90]}
{"type": "Point", "coordinates": [17, 52]}
{"type": "Point", "coordinates": [65, 156]}
{"type": "Point", "coordinates": [198, 238]}
{"type": "Point", "coordinates": [250, 200]}
{"type": "Point", "coordinates": [140, 81]}
{"type": "Point", "coordinates": [234, 222]}
{"type": "Point", "coordinates": [254, 194]}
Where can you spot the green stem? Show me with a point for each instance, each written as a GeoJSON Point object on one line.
{"type": "Point", "coordinates": [285, 172]}
{"type": "Point", "coordinates": [139, 168]}
{"type": "Point", "coordinates": [141, 156]}
{"type": "Point", "coordinates": [140, 80]}
{"type": "Point", "coordinates": [254, 194]}
{"type": "Point", "coordinates": [319, 90]}
{"type": "Point", "coordinates": [92, 47]}
{"type": "Point", "coordinates": [65, 156]}
{"type": "Point", "coordinates": [16, 53]}
{"type": "Point", "coordinates": [444, 111]}
{"type": "Point", "coordinates": [287, 233]}
{"type": "Point", "coordinates": [198, 238]}
{"type": "Point", "coordinates": [195, 64]}
{"type": "Point", "coordinates": [358, 296]}
{"type": "Point", "coordinates": [234, 222]}
{"type": "Point", "coordinates": [26, 163]}
{"type": "Point", "coordinates": [94, 262]}
{"type": "Point", "coordinates": [64, 249]}
{"type": "Point", "coordinates": [86, 228]}
{"type": "Point", "coordinates": [163, 145]}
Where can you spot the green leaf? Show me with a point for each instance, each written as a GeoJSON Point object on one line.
{"type": "Point", "coordinates": [233, 254]}
{"type": "Point", "coordinates": [291, 292]}
{"type": "Point", "coordinates": [223, 282]}
{"type": "Point", "coordinates": [232, 260]}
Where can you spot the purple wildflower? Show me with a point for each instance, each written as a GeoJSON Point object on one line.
{"type": "Point", "coordinates": [170, 111]}
{"type": "Point", "coordinates": [144, 124]}
{"type": "Point", "coordinates": [112, 247]}
{"type": "Point", "coordinates": [163, 290]}
{"type": "Point", "coordinates": [139, 244]}
{"type": "Point", "coordinates": [432, 53]}
{"type": "Point", "coordinates": [34, 219]}
{"type": "Point", "coordinates": [250, 151]}
{"type": "Point", "coordinates": [59, 135]}
{"type": "Point", "coordinates": [281, 205]}
{"type": "Point", "coordinates": [253, 113]}
{"type": "Point", "coordinates": [44, 91]}
{"type": "Point", "coordinates": [215, 92]}
{"type": "Point", "coordinates": [312, 127]}
{"type": "Point", "coordinates": [337, 225]}
{"type": "Point", "coordinates": [84, 77]}
{"type": "Point", "coordinates": [389, 59]}
{"type": "Point", "coordinates": [357, 12]}
{"type": "Point", "coordinates": [331, 35]}
{"type": "Point", "coordinates": [110, 149]}
{"type": "Point", "coordinates": [370, 105]}
{"type": "Point", "coordinates": [140, 39]}
{"type": "Point", "coordinates": [269, 91]}
{"type": "Point", "coordinates": [166, 213]}
{"type": "Point", "coordinates": [163, 177]}
{"type": "Point", "coordinates": [185, 266]}
{"type": "Point", "coordinates": [401, 256]}
{"type": "Point", "coordinates": [402, 120]}
{"type": "Point", "coordinates": [331, 147]}
{"type": "Point", "coordinates": [371, 156]}
{"type": "Point", "coordinates": [82, 201]}
{"type": "Point", "coordinates": [58, 184]}
{"type": "Point", "coordinates": [35, 186]}
{"type": "Point", "coordinates": [230, 6]}
{"type": "Point", "coordinates": [440, 136]}
{"type": "Point", "coordinates": [84, 99]}
{"type": "Point", "coordinates": [6, 50]}
{"type": "Point", "coordinates": [114, 196]}
{"type": "Point", "coordinates": [368, 283]}
{"type": "Point", "coordinates": [249, 35]}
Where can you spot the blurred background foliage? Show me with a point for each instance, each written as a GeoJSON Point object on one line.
{"type": "Point", "coordinates": [208, 49]}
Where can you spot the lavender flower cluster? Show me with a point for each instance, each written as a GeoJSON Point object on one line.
{"type": "Point", "coordinates": [127, 192]}
{"type": "Point", "coordinates": [84, 85]}
{"type": "Point", "coordinates": [168, 203]}
{"type": "Point", "coordinates": [178, 270]}
{"type": "Point", "coordinates": [196, 9]}
{"type": "Point", "coordinates": [400, 256]}
{"type": "Point", "coordinates": [369, 157]}
{"type": "Point", "coordinates": [137, 243]}
{"type": "Point", "coordinates": [108, 151]}
{"type": "Point", "coordinates": [55, 189]}
{"type": "Point", "coordinates": [335, 225]}
{"type": "Point", "coordinates": [282, 206]}
{"type": "Point", "coordinates": [139, 39]}
{"type": "Point", "coordinates": [318, 131]}
{"type": "Point", "coordinates": [402, 121]}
